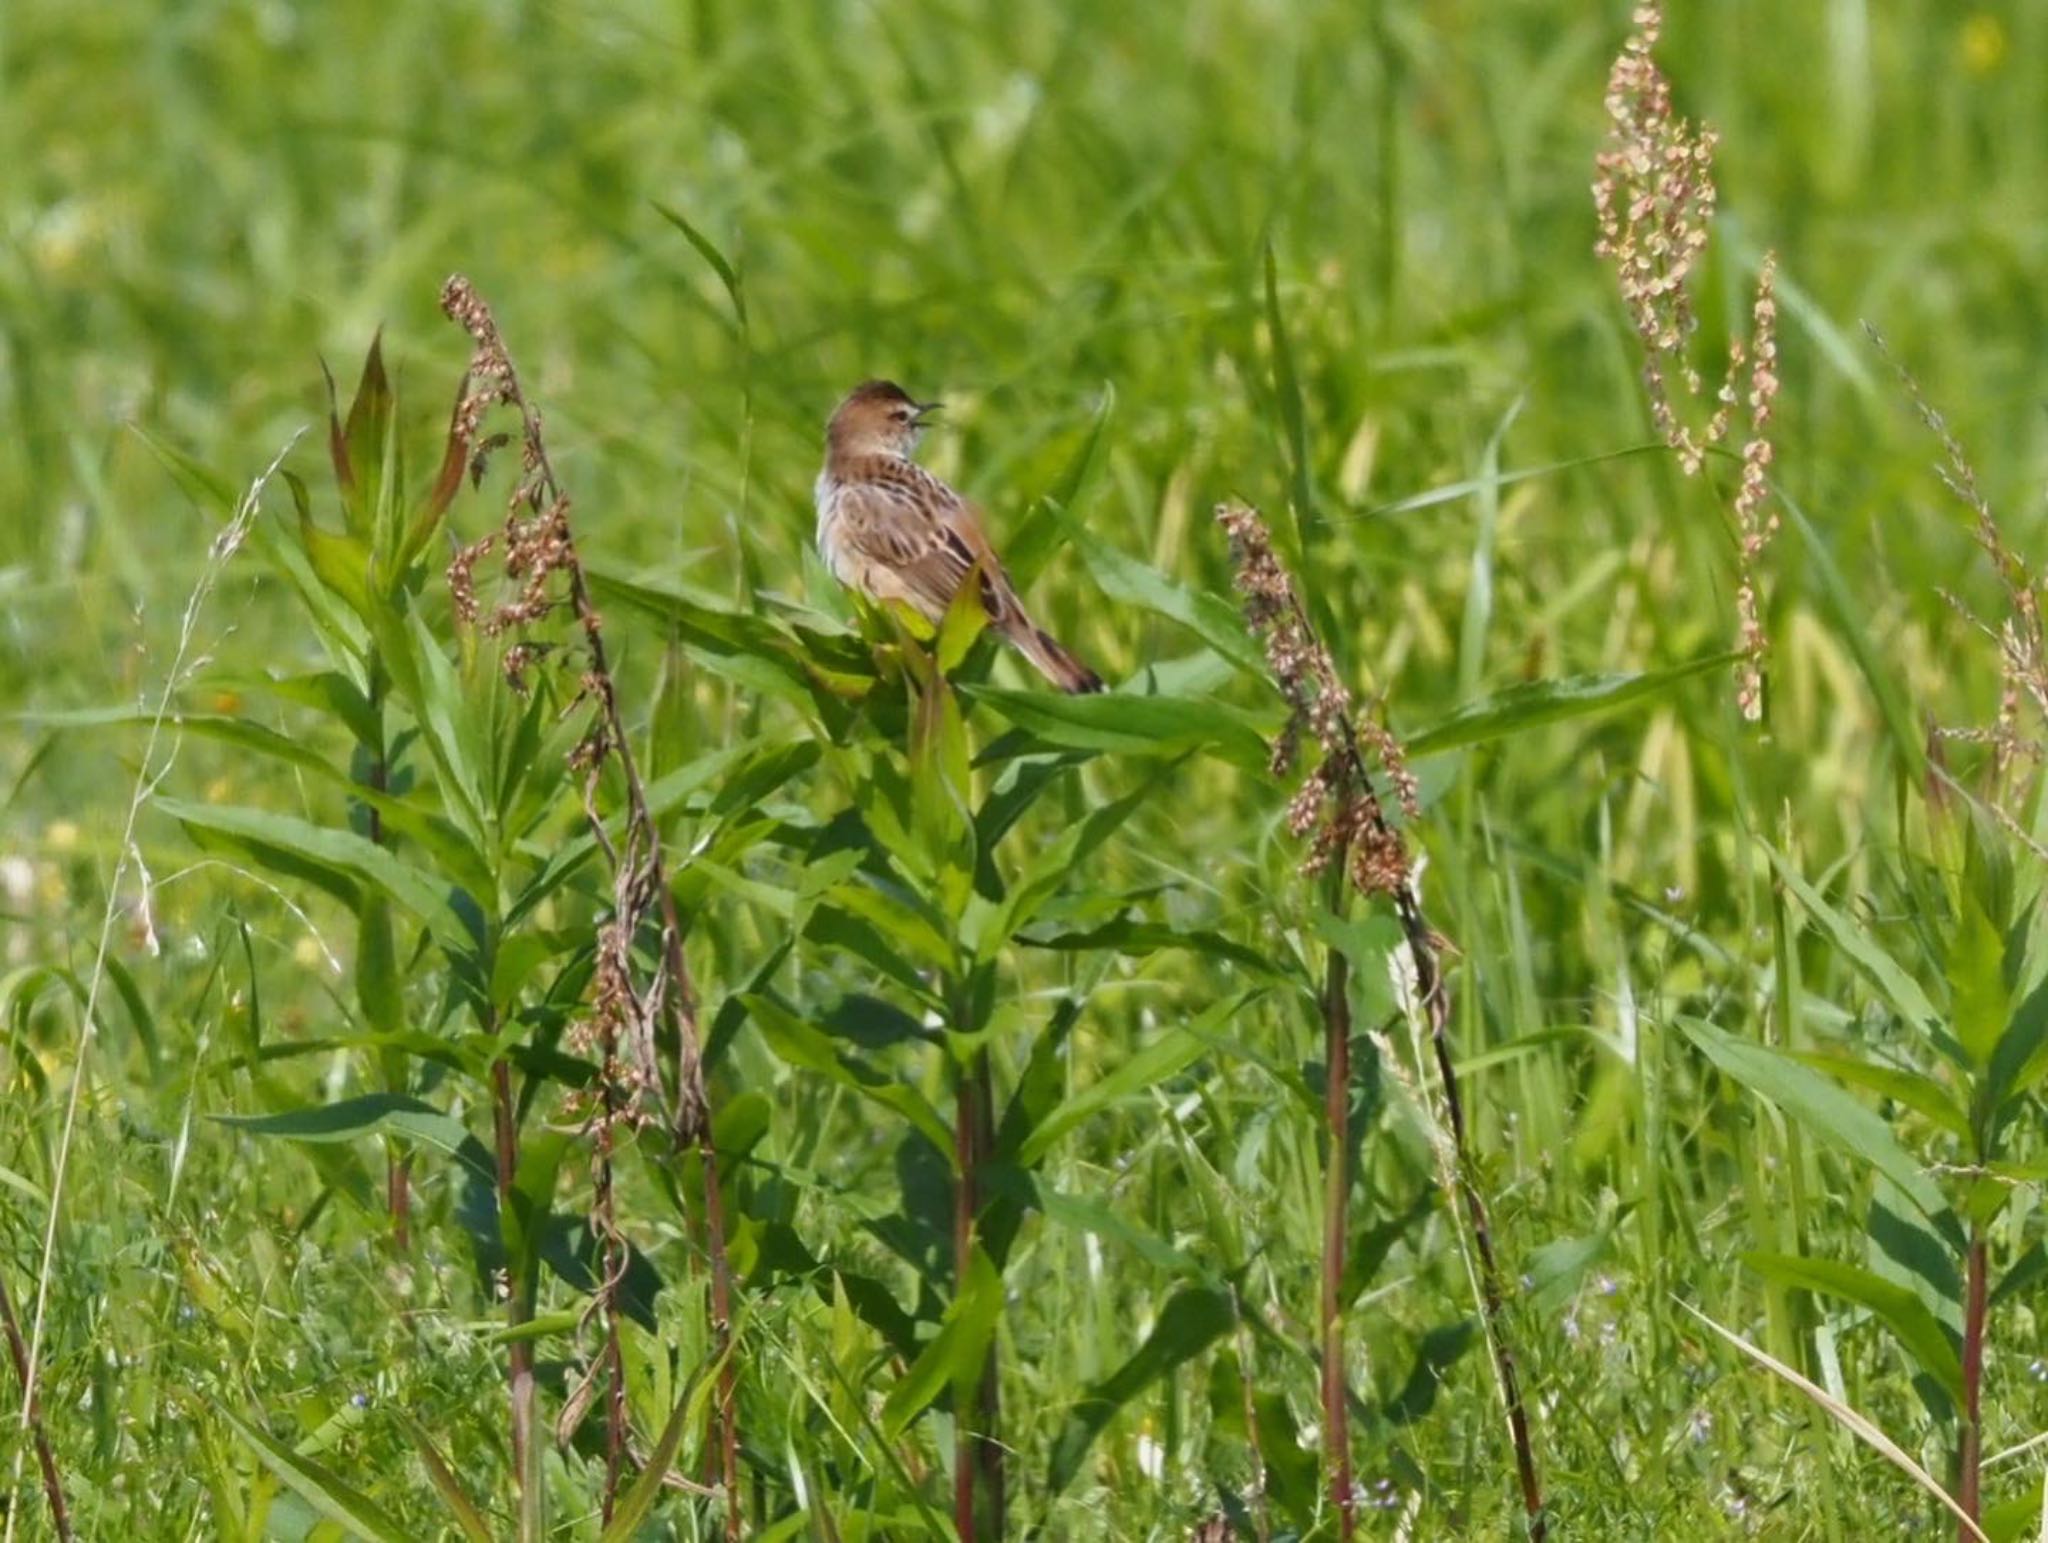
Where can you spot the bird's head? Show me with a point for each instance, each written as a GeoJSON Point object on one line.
{"type": "Point", "coordinates": [877, 416]}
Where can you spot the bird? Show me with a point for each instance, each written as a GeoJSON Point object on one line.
{"type": "Point", "coordinates": [890, 530]}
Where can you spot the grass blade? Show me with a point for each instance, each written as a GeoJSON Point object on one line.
{"type": "Point", "coordinates": [1859, 1426]}
{"type": "Point", "coordinates": [320, 1488]}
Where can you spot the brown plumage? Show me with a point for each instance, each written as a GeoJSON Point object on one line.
{"type": "Point", "coordinates": [891, 530]}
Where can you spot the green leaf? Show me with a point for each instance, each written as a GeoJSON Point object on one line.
{"type": "Point", "coordinates": [745, 646]}
{"type": "Point", "coordinates": [204, 486]}
{"type": "Point", "coordinates": [1435, 1354]}
{"type": "Point", "coordinates": [1133, 725]}
{"type": "Point", "coordinates": [1189, 1323]}
{"type": "Point", "coordinates": [954, 1357]}
{"type": "Point", "coordinates": [754, 767]}
{"type": "Point", "coordinates": [428, 512]}
{"type": "Point", "coordinates": [1293, 418]}
{"type": "Point", "coordinates": [523, 1223]}
{"type": "Point", "coordinates": [238, 732]}
{"type": "Point", "coordinates": [941, 793]}
{"type": "Point", "coordinates": [1089, 1216]}
{"type": "Point", "coordinates": [1847, 612]}
{"type": "Point", "coordinates": [2021, 1059]}
{"type": "Point", "coordinates": [1828, 1112]}
{"type": "Point", "coordinates": [1923, 1095]}
{"type": "Point", "coordinates": [1261, 1416]}
{"type": "Point", "coordinates": [2026, 1273]}
{"type": "Point", "coordinates": [1140, 939]}
{"type": "Point", "coordinates": [426, 683]}
{"type": "Point", "coordinates": [638, 1500]}
{"type": "Point", "coordinates": [324, 1491]}
{"type": "Point", "coordinates": [1979, 1008]}
{"type": "Point", "coordinates": [1133, 583]}
{"type": "Point", "coordinates": [1537, 702]}
{"type": "Point", "coordinates": [800, 1045]}
{"type": "Point", "coordinates": [1057, 863]}
{"type": "Point", "coordinates": [728, 275]}
{"type": "Point", "coordinates": [1031, 545]}
{"type": "Point", "coordinates": [378, 990]}
{"type": "Point", "coordinates": [1884, 972]}
{"type": "Point", "coordinates": [1897, 1308]}
{"type": "Point", "coordinates": [348, 1118]}
{"type": "Point", "coordinates": [336, 860]}
{"type": "Point", "coordinates": [360, 447]}
{"type": "Point", "coordinates": [468, 1518]}
{"type": "Point", "coordinates": [341, 562]}
{"type": "Point", "coordinates": [965, 620]}
{"type": "Point", "coordinates": [1165, 1057]}
{"type": "Point", "coordinates": [340, 630]}
{"type": "Point", "coordinates": [1555, 1269]}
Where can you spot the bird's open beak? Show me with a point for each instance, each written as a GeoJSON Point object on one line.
{"type": "Point", "coordinates": [926, 409]}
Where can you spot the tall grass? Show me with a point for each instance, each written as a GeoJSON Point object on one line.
{"type": "Point", "coordinates": [894, 883]}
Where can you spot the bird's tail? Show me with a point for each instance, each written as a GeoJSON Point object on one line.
{"type": "Point", "coordinates": [1053, 661]}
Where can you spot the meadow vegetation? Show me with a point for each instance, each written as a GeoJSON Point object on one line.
{"type": "Point", "coordinates": [528, 1012]}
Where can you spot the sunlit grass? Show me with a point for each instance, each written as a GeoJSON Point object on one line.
{"type": "Point", "coordinates": [1053, 216]}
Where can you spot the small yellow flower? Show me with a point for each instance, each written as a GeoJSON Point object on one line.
{"type": "Point", "coordinates": [306, 953]}
{"type": "Point", "coordinates": [60, 835]}
{"type": "Point", "coordinates": [217, 791]}
{"type": "Point", "coordinates": [1983, 43]}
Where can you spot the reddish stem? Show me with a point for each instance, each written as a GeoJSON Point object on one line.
{"type": "Point", "coordinates": [721, 1338]}
{"type": "Point", "coordinates": [978, 1479]}
{"type": "Point", "coordinates": [1336, 1211]}
{"type": "Point", "coordinates": [53, 1490]}
{"type": "Point", "coordinates": [1970, 1444]}
{"type": "Point", "coordinates": [690, 1111]}
{"type": "Point", "coordinates": [397, 1184]}
{"type": "Point", "coordinates": [505, 1130]}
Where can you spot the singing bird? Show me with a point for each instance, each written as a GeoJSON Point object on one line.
{"type": "Point", "coordinates": [891, 530]}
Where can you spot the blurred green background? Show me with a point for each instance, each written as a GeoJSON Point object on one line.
{"type": "Point", "coordinates": [1045, 213]}
{"type": "Point", "coordinates": [1016, 207]}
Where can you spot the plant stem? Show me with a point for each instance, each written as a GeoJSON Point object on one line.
{"type": "Point", "coordinates": [1336, 1212]}
{"type": "Point", "coordinates": [978, 1479]}
{"type": "Point", "coordinates": [690, 1109]}
{"type": "Point", "coordinates": [397, 1161]}
{"type": "Point", "coordinates": [963, 1259]}
{"type": "Point", "coordinates": [989, 1414]}
{"type": "Point", "coordinates": [1430, 990]}
{"type": "Point", "coordinates": [525, 1456]}
{"type": "Point", "coordinates": [53, 1490]}
{"type": "Point", "coordinates": [1970, 1443]}
{"type": "Point", "coordinates": [604, 1215]}
{"type": "Point", "coordinates": [398, 1186]}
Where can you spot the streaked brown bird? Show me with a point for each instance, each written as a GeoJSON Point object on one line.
{"type": "Point", "coordinates": [891, 530]}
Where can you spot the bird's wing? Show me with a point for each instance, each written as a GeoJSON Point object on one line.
{"type": "Point", "coordinates": [915, 535]}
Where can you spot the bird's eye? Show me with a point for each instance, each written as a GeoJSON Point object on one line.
{"type": "Point", "coordinates": [901, 415]}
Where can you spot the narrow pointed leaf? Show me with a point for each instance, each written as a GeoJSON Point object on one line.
{"type": "Point", "coordinates": [468, 1518]}
{"type": "Point", "coordinates": [1133, 725]}
{"type": "Point", "coordinates": [321, 1489]}
{"type": "Point", "coordinates": [1165, 1057]}
{"type": "Point", "coordinates": [1923, 1337]}
{"type": "Point", "coordinates": [954, 1357]}
{"type": "Point", "coordinates": [1923, 1095]}
{"type": "Point", "coordinates": [1884, 972]}
{"type": "Point", "coordinates": [1190, 1322]}
{"type": "Point", "coordinates": [349, 1118]}
{"type": "Point", "coordinates": [1826, 1111]}
{"type": "Point", "coordinates": [338, 860]}
{"type": "Point", "coordinates": [639, 1499]}
{"type": "Point", "coordinates": [1539, 702]}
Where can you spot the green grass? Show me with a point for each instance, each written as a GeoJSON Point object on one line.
{"type": "Point", "coordinates": [1054, 216]}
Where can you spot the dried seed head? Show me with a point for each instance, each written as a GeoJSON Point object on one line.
{"type": "Point", "coordinates": [1336, 808]}
{"type": "Point", "coordinates": [1654, 199]}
